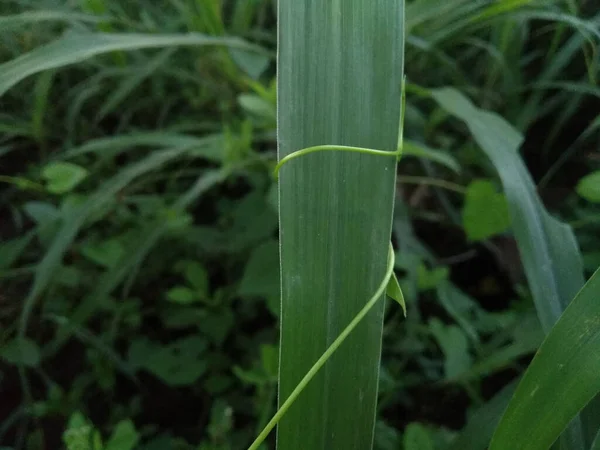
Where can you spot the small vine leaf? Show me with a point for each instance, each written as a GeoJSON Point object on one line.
{"type": "Point", "coordinates": [394, 292]}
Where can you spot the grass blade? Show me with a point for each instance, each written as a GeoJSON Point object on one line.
{"type": "Point", "coordinates": [479, 429]}
{"type": "Point", "coordinates": [411, 148]}
{"type": "Point", "coordinates": [73, 224]}
{"type": "Point", "coordinates": [340, 67]}
{"type": "Point", "coordinates": [561, 379]}
{"type": "Point", "coordinates": [135, 255]}
{"type": "Point", "coordinates": [129, 84]}
{"type": "Point", "coordinates": [32, 17]}
{"type": "Point", "coordinates": [75, 47]}
{"type": "Point", "coordinates": [548, 248]}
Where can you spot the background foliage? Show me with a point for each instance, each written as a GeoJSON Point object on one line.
{"type": "Point", "coordinates": [139, 285]}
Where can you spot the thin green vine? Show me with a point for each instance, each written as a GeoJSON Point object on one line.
{"type": "Point", "coordinates": [389, 283]}
{"type": "Point", "coordinates": [325, 356]}
{"type": "Point", "coordinates": [319, 148]}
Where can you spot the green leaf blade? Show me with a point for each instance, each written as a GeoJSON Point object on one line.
{"type": "Point", "coordinates": [340, 71]}
{"type": "Point", "coordinates": [74, 47]}
{"type": "Point", "coordinates": [548, 248]}
{"type": "Point", "coordinates": [561, 379]}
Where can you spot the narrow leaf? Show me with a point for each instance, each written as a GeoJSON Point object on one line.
{"type": "Point", "coordinates": [74, 222]}
{"type": "Point", "coordinates": [31, 17]}
{"type": "Point", "coordinates": [561, 379]}
{"type": "Point", "coordinates": [411, 148]}
{"type": "Point", "coordinates": [134, 255]}
{"type": "Point", "coordinates": [75, 47]}
{"type": "Point", "coordinates": [548, 249]}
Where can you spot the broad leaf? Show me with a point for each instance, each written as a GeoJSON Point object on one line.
{"type": "Point", "coordinates": [21, 351]}
{"type": "Point", "coordinates": [339, 77]}
{"type": "Point", "coordinates": [62, 177]}
{"type": "Point", "coordinates": [124, 437]}
{"type": "Point", "coordinates": [485, 213]}
{"type": "Point", "coordinates": [589, 187]}
{"type": "Point", "coordinates": [416, 437]}
{"type": "Point", "coordinates": [180, 363]}
{"type": "Point", "coordinates": [454, 345]}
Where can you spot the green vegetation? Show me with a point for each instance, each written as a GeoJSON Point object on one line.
{"type": "Point", "coordinates": [141, 223]}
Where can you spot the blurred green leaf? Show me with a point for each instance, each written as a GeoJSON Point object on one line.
{"type": "Point", "coordinates": [21, 351]}
{"type": "Point", "coordinates": [547, 247]}
{"type": "Point", "coordinates": [216, 325]}
{"type": "Point", "coordinates": [136, 251]}
{"type": "Point", "coordinates": [124, 437]}
{"type": "Point", "coordinates": [269, 356]}
{"type": "Point", "coordinates": [261, 274]}
{"type": "Point", "coordinates": [7, 22]}
{"type": "Point", "coordinates": [596, 443]}
{"type": "Point", "coordinates": [130, 83]}
{"type": "Point", "coordinates": [254, 376]}
{"type": "Point", "coordinates": [81, 435]}
{"type": "Point", "coordinates": [589, 187]}
{"type": "Point", "coordinates": [221, 420]}
{"type": "Point", "coordinates": [47, 216]}
{"type": "Point", "coordinates": [252, 63]}
{"type": "Point", "coordinates": [416, 437]}
{"type": "Point", "coordinates": [62, 177]}
{"type": "Point", "coordinates": [386, 436]}
{"type": "Point", "coordinates": [454, 345]}
{"type": "Point", "coordinates": [12, 249]}
{"type": "Point", "coordinates": [182, 317]}
{"type": "Point", "coordinates": [430, 279]}
{"type": "Point", "coordinates": [482, 422]}
{"type": "Point", "coordinates": [485, 212]}
{"type": "Point", "coordinates": [177, 364]}
{"type": "Point", "coordinates": [77, 46]}
{"type": "Point", "coordinates": [182, 295]}
{"type": "Point", "coordinates": [412, 148]}
{"type": "Point", "coordinates": [41, 212]}
{"type": "Point", "coordinates": [105, 253]}
{"type": "Point", "coordinates": [527, 337]}
{"type": "Point", "coordinates": [73, 222]}
{"type": "Point", "coordinates": [254, 104]}
{"type": "Point", "coordinates": [460, 307]}
{"type": "Point", "coordinates": [196, 276]}
{"type": "Point", "coordinates": [208, 147]}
